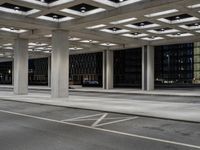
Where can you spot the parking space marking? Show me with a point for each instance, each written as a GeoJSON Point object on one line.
{"type": "Point", "coordinates": [99, 120]}
{"type": "Point", "coordinates": [117, 121]}
{"type": "Point", "coordinates": [88, 119]}
{"type": "Point", "coordinates": [82, 117]}
{"type": "Point", "coordinates": [104, 130]}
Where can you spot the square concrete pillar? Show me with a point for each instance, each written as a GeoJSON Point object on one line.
{"type": "Point", "coordinates": [60, 64]}
{"type": "Point", "coordinates": [21, 66]}
{"type": "Point", "coordinates": [108, 70]}
{"type": "Point", "coordinates": [148, 68]}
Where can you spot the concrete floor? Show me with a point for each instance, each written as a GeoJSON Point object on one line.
{"type": "Point", "coordinates": [27, 126]}
{"type": "Point", "coordinates": [168, 107]}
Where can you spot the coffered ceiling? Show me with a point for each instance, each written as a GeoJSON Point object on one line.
{"type": "Point", "coordinates": [95, 25]}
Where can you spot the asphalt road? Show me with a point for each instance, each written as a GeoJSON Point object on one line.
{"type": "Point", "coordinates": [25, 126]}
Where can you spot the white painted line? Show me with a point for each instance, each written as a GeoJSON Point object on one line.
{"type": "Point", "coordinates": [103, 119]}
{"type": "Point", "coordinates": [117, 121]}
{"type": "Point", "coordinates": [99, 120]}
{"type": "Point", "coordinates": [72, 119]}
{"type": "Point", "coordinates": [104, 130]}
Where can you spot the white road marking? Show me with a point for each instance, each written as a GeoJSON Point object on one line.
{"type": "Point", "coordinates": [77, 118]}
{"type": "Point", "coordinates": [99, 120]}
{"type": "Point", "coordinates": [112, 118]}
{"type": "Point", "coordinates": [104, 130]}
{"type": "Point", "coordinates": [117, 121]}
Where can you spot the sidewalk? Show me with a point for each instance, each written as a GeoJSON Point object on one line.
{"type": "Point", "coordinates": [160, 92]}
{"type": "Point", "coordinates": [168, 110]}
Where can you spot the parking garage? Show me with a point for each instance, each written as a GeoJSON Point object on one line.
{"type": "Point", "coordinates": [110, 65]}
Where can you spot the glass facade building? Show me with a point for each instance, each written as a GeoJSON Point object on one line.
{"type": "Point", "coordinates": [38, 71]}
{"type": "Point", "coordinates": [5, 72]}
{"type": "Point", "coordinates": [85, 67]}
{"type": "Point", "coordinates": [128, 68]}
{"type": "Point", "coordinates": [176, 65]}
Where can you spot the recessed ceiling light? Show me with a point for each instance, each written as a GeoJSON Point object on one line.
{"type": "Point", "coordinates": [162, 13]}
{"type": "Point", "coordinates": [152, 38]}
{"type": "Point", "coordinates": [83, 9]}
{"type": "Point", "coordinates": [135, 35]}
{"type": "Point", "coordinates": [123, 21]}
{"type": "Point", "coordinates": [194, 6]}
{"type": "Point", "coordinates": [16, 8]}
{"type": "Point", "coordinates": [89, 41]}
{"type": "Point", "coordinates": [96, 26]}
{"type": "Point", "coordinates": [74, 39]}
{"type": "Point", "coordinates": [180, 35]}
{"type": "Point", "coordinates": [75, 48]}
{"type": "Point", "coordinates": [108, 44]}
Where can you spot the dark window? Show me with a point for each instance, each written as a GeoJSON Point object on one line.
{"type": "Point", "coordinates": [127, 68]}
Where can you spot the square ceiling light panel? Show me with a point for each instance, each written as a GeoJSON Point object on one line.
{"type": "Point", "coordinates": [123, 20]}
{"type": "Point", "coordinates": [163, 30]}
{"type": "Point", "coordinates": [178, 19]}
{"type": "Point", "coordinates": [108, 44]}
{"type": "Point", "coordinates": [156, 14]}
{"type": "Point", "coordinates": [115, 30]}
{"type": "Point", "coordinates": [194, 6]}
{"type": "Point", "coordinates": [74, 39]}
{"type": "Point", "coordinates": [177, 35]}
{"type": "Point", "coordinates": [142, 25]}
{"type": "Point", "coordinates": [96, 26]}
{"type": "Point", "coordinates": [117, 3]}
{"type": "Point", "coordinates": [191, 26]}
{"type": "Point", "coordinates": [17, 9]}
{"type": "Point", "coordinates": [89, 41]}
{"type": "Point", "coordinates": [83, 9]}
{"type": "Point", "coordinates": [135, 35]}
{"type": "Point", "coordinates": [55, 17]}
{"type": "Point", "coordinates": [152, 38]}
{"type": "Point", "coordinates": [48, 3]}
{"type": "Point", "coordinates": [12, 29]}
{"type": "Point", "coordinates": [75, 48]}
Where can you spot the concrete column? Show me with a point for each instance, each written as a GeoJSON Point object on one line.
{"type": "Point", "coordinates": [60, 64]}
{"type": "Point", "coordinates": [21, 66]}
{"type": "Point", "coordinates": [148, 68]}
{"type": "Point", "coordinates": [49, 71]}
{"type": "Point", "coordinates": [108, 70]}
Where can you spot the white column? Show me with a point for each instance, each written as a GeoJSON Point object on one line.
{"type": "Point", "coordinates": [21, 66]}
{"type": "Point", "coordinates": [108, 70]}
{"type": "Point", "coordinates": [49, 71]}
{"type": "Point", "coordinates": [148, 68]}
{"type": "Point", "coordinates": [60, 64]}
